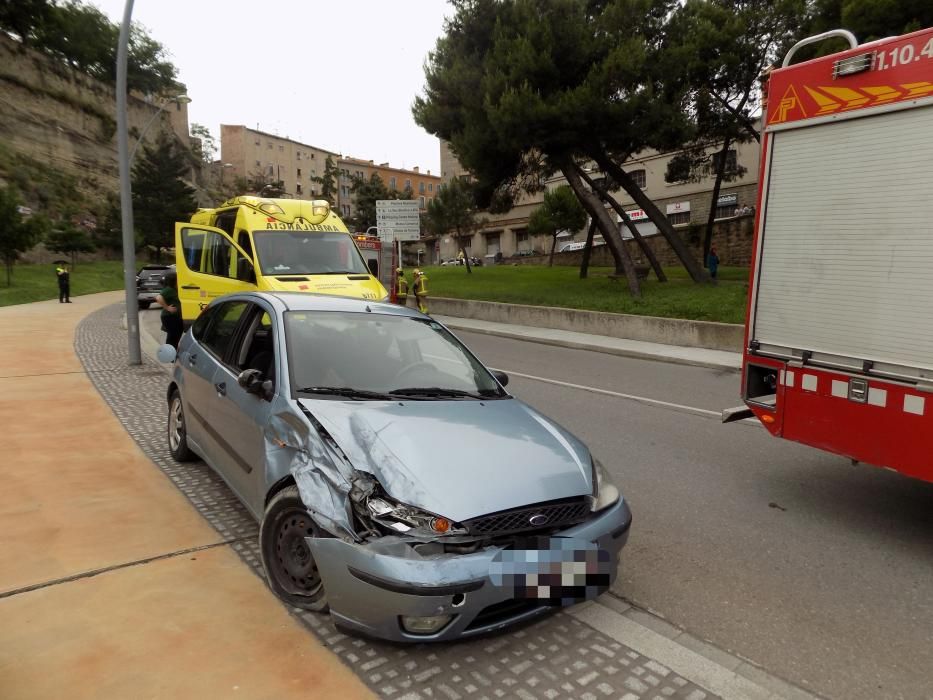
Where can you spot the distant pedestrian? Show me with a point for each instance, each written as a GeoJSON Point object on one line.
{"type": "Point", "coordinates": [712, 262]}
{"type": "Point", "coordinates": [171, 309]}
{"type": "Point", "coordinates": [421, 291]}
{"type": "Point", "coordinates": [401, 290]}
{"type": "Point", "coordinates": [64, 282]}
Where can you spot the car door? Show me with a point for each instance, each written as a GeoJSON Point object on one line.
{"type": "Point", "coordinates": [201, 362]}
{"type": "Point", "coordinates": [209, 264]}
{"type": "Point", "coordinates": [239, 417]}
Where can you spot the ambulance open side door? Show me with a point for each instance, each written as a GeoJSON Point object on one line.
{"type": "Point", "coordinates": [209, 264]}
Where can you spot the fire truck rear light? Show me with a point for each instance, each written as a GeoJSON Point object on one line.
{"type": "Point", "coordinates": [853, 65]}
{"type": "Point", "coordinates": [767, 419]}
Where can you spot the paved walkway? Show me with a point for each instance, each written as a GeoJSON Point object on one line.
{"type": "Point", "coordinates": [700, 357]}
{"type": "Point", "coordinates": [112, 584]}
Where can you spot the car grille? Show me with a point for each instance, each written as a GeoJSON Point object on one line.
{"type": "Point", "coordinates": [554, 514]}
{"type": "Point", "coordinates": [503, 612]}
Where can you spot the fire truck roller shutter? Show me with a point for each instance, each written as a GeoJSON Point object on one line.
{"type": "Point", "coordinates": [846, 253]}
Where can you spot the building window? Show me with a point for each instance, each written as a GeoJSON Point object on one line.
{"type": "Point", "coordinates": [726, 206]}
{"type": "Point", "coordinates": [421, 202]}
{"type": "Point", "coordinates": [299, 173]}
{"type": "Point", "coordinates": [312, 156]}
{"type": "Point", "coordinates": [281, 148]}
{"type": "Point", "coordinates": [639, 177]}
{"type": "Point", "coordinates": [731, 161]}
{"type": "Point", "coordinates": [421, 188]}
{"type": "Point", "coordinates": [407, 184]}
{"type": "Point", "coordinates": [257, 142]}
{"type": "Point", "coordinates": [430, 187]}
{"type": "Point", "coordinates": [678, 218]}
{"type": "Point", "coordinates": [298, 188]}
{"type": "Point", "coordinates": [269, 146]}
{"type": "Point", "coordinates": [258, 163]}
{"type": "Point", "coordinates": [392, 183]}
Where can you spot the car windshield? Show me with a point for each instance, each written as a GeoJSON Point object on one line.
{"type": "Point", "coordinates": [371, 356]}
{"type": "Point", "coordinates": [307, 253]}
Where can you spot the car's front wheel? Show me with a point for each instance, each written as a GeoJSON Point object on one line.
{"type": "Point", "coordinates": [290, 568]}
{"type": "Point", "coordinates": [177, 430]}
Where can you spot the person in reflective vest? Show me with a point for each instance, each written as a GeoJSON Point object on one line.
{"type": "Point", "coordinates": [64, 284]}
{"type": "Point", "coordinates": [421, 291]}
{"type": "Point", "coordinates": [401, 290]}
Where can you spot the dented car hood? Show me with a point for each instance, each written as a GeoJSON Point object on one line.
{"type": "Point", "coordinates": [458, 459]}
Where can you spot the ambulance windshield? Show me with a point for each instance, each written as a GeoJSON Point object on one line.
{"type": "Point", "coordinates": [307, 253]}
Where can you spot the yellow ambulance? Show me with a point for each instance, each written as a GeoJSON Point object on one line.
{"type": "Point", "coordinates": [255, 243]}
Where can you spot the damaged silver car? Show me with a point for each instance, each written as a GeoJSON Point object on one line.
{"type": "Point", "coordinates": [397, 484]}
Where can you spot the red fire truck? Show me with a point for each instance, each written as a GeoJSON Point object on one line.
{"type": "Point", "coordinates": [385, 256]}
{"type": "Point", "coordinates": [839, 331]}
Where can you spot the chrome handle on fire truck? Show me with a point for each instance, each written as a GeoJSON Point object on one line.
{"type": "Point", "coordinates": [841, 33]}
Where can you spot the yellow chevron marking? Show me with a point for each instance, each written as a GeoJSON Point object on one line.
{"type": "Point", "coordinates": [826, 105]}
{"type": "Point", "coordinates": [917, 89]}
{"type": "Point", "coordinates": [882, 93]}
{"type": "Point", "coordinates": [852, 98]}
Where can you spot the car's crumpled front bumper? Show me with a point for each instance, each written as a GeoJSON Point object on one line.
{"type": "Point", "coordinates": [371, 586]}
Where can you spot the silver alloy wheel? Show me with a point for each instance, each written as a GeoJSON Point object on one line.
{"type": "Point", "coordinates": [176, 422]}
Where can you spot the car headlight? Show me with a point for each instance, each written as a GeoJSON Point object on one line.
{"type": "Point", "coordinates": [605, 492]}
{"type": "Point", "coordinates": [409, 520]}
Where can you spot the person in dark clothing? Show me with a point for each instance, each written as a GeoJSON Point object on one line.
{"type": "Point", "coordinates": [712, 262]}
{"type": "Point", "coordinates": [171, 310]}
{"type": "Point", "coordinates": [64, 283]}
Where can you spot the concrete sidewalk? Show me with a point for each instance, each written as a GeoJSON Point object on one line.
{"type": "Point", "coordinates": [113, 585]}
{"type": "Point", "coordinates": [699, 357]}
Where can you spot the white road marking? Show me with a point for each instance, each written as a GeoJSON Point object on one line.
{"type": "Point", "coordinates": [631, 397]}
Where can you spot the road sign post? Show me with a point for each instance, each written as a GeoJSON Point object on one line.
{"type": "Point", "coordinates": [398, 220]}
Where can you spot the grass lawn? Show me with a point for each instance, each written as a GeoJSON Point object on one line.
{"type": "Point", "coordinates": [561, 286]}
{"type": "Point", "coordinates": [38, 282]}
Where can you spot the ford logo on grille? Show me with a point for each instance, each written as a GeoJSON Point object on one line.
{"type": "Point", "coordinates": [538, 519]}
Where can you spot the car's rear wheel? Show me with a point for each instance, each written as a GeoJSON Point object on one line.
{"type": "Point", "coordinates": [290, 567]}
{"type": "Point", "coordinates": [177, 430]}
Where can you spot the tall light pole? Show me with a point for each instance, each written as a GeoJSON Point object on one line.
{"type": "Point", "coordinates": [126, 194]}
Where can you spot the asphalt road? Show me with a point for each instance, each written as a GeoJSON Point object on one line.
{"type": "Point", "coordinates": [819, 571]}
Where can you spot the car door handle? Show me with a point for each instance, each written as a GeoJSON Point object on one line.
{"type": "Point", "coordinates": [190, 286]}
{"type": "Point", "coordinates": [221, 388]}
{"type": "Point", "coordinates": [192, 360]}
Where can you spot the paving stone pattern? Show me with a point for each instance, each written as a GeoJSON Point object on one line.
{"type": "Point", "coordinates": [557, 657]}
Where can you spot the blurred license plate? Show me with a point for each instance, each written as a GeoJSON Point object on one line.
{"type": "Point", "coordinates": [554, 570]}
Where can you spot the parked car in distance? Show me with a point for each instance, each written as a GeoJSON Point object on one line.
{"type": "Point", "coordinates": [331, 419]}
{"type": "Point", "coordinates": [149, 283]}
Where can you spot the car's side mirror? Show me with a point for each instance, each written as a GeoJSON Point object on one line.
{"type": "Point", "coordinates": [501, 377]}
{"type": "Point", "coordinates": [373, 266]}
{"type": "Point", "coordinates": [252, 381]}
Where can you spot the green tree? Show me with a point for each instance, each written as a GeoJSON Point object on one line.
{"type": "Point", "coordinates": [109, 231]}
{"type": "Point", "coordinates": [68, 239]}
{"type": "Point", "coordinates": [207, 150]}
{"type": "Point", "coordinates": [560, 211]}
{"type": "Point", "coordinates": [160, 195]}
{"type": "Point", "coordinates": [16, 234]}
{"type": "Point", "coordinates": [454, 210]}
{"type": "Point", "coordinates": [22, 17]}
{"type": "Point", "coordinates": [521, 88]}
{"type": "Point", "coordinates": [328, 181]}
{"type": "Point", "coordinates": [867, 19]}
{"type": "Point", "coordinates": [365, 195]}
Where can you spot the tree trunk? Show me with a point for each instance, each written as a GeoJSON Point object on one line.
{"type": "Point", "coordinates": [550, 261]}
{"type": "Point", "coordinates": [587, 249]}
{"type": "Point", "coordinates": [615, 171]}
{"type": "Point", "coordinates": [594, 206]}
{"type": "Point", "coordinates": [636, 234]}
{"type": "Point", "coordinates": [466, 258]}
{"type": "Point", "coordinates": [720, 171]}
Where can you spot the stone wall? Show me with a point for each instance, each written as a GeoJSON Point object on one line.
{"type": "Point", "coordinates": [64, 120]}
{"type": "Point", "coordinates": [732, 239]}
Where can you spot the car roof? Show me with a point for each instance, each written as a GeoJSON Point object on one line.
{"type": "Point", "coordinates": [303, 301]}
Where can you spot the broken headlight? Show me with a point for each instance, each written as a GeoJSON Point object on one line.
{"type": "Point", "coordinates": [605, 493]}
{"type": "Point", "coordinates": [409, 520]}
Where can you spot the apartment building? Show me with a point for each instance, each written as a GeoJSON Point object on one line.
{"type": "Point", "coordinates": [685, 203]}
{"type": "Point", "coordinates": [423, 185]}
{"type": "Point", "coordinates": [253, 154]}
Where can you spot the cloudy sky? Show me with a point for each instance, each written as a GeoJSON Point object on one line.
{"type": "Point", "coordinates": [341, 74]}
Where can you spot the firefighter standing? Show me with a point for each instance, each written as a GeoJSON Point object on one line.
{"type": "Point", "coordinates": [421, 291]}
{"type": "Point", "coordinates": [64, 283]}
{"type": "Point", "coordinates": [401, 291]}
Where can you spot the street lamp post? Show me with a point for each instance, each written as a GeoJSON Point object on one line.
{"type": "Point", "coordinates": [223, 168]}
{"type": "Point", "coordinates": [125, 157]}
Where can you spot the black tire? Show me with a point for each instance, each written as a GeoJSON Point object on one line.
{"type": "Point", "coordinates": [291, 571]}
{"type": "Point", "coordinates": [144, 304]}
{"type": "Point", "coordinates": [177, 431]}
